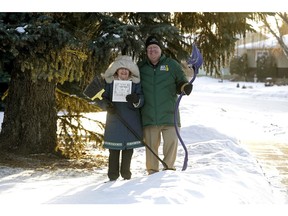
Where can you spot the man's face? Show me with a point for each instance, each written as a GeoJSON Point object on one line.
{"type": "Point", "coordinates": [153, 53]}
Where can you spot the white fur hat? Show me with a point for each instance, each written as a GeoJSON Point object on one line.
{"type": "Point", "coordinates": [122, 61]}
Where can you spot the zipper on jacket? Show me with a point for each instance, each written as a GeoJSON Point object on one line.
{"type": "Point", "coordinates": [154, 94]}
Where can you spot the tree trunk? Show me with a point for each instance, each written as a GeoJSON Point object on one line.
{"type": "Point", "coordinates": [30, 119]}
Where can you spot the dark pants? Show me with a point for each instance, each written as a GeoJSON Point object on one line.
{"type": "Point", "coordinates": [113, 167]}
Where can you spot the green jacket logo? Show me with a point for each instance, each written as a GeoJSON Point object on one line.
{"type": "Point", "coordinates": [164, 68]}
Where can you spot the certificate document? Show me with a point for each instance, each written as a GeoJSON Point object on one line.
{"type": "Point", "coordinates": [121, 88]}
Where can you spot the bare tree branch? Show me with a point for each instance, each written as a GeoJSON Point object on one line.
{"type": "Point", "coordinates": [278, 35]}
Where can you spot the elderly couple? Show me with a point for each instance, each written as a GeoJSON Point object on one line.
{"type": "Point", "coordinates": [148, 110]}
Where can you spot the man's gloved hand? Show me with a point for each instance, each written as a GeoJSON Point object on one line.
{"type": "Point", "coordinates": [187, 88]}
{"type": "Point", "coordinates": [133, 98]}
{"type": "Point", "coordinates": [110, 108]}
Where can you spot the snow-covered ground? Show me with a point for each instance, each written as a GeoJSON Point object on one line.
{"type": "Point", "coordinates": [219, 122]}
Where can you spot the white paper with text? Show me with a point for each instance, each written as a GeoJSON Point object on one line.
{"type": "Point", "coordinates": [121, 88]}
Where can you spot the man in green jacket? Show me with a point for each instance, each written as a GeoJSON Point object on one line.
{"type": "Point", "coordinates": [162, 78]}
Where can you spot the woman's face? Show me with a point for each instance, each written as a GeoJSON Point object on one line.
{"type": "Point", "coordinates": [123, 74]}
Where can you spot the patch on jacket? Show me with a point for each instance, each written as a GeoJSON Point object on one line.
{"type": "Point", "coordinates": [164, 68]}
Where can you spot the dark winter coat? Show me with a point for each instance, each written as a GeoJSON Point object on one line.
{"type": "Point", "coordinates": [117, 135]}
{"type": "Point", "coordinates": [160, 85]}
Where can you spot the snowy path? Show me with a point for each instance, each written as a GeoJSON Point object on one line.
{"type": "Point", "coordinates": [258, 121]}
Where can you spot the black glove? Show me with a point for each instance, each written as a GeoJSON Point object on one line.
{"type": "Point", "coordinates": [187, 88]}
{"type": "Point", "coordinates": [133, 98]}
{"type": "Point", "coordinates": [110, 108]}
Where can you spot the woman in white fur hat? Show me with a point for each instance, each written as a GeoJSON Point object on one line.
{"type": "Point", "coordinates": [119, 138]}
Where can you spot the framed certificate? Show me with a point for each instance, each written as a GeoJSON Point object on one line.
{"type": "Point", "coordinates": [121, 88]}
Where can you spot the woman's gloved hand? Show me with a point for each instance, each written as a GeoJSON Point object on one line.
{"type": "Point", "coordinates": [110, 108]}
{"type": "Point", "coordinates": [133, 98]}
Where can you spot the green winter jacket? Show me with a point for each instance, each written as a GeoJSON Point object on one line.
{"type": "Point", "coordinates": [161, 84]}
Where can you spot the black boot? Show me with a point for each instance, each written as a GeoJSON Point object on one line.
{"type": "Point", "coordinates": [113, 167]}
{"type": "Point", "coordinates": [125, 164]}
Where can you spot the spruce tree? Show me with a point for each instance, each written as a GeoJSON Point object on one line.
{"type": "Point", "coordinates": [41, 50]}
